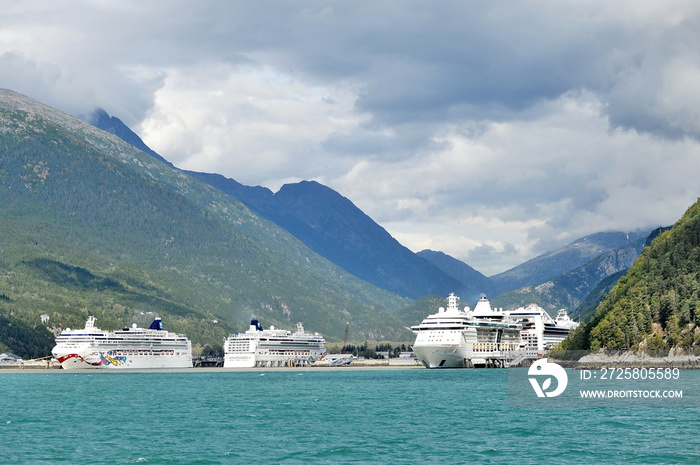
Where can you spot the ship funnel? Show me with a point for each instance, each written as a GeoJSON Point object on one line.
{"type": "Point", "coordinates": [157, 324]}
{"type": "Point", "coordinates": [255, 325]}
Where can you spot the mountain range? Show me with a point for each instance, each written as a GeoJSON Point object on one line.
{"type": "Point", "coordinates": [335, 228]}
{"type": "Point", "coordinates": [91, 224]}
{"type": "Point", "coordinates": [95, 222]}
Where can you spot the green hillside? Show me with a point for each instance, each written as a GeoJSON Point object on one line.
{"type": "Point", "coordinates": [91, 225]}
{"type": "Point", "coordinates": [656, 305]}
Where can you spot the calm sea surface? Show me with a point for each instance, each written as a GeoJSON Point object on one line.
{"type": "Point", "coordinates": [317, 416]}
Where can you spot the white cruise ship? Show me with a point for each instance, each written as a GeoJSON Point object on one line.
{"type": "Point", "coordinates": [457, 338]}
{"type": "Point", "coordinates": [540, 330]}
{"type": "Point", "coordinates": [272, 347]}
{"type": "Point", "coordinates": [125, 348]}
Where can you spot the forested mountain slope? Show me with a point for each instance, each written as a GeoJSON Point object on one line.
{"type": "Point", "coordinates": [656, 305]}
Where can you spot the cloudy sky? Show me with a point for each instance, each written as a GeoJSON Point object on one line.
{"type": "Point", "coordinates": [493, 131]}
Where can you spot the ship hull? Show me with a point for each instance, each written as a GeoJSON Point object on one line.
{"type": "Point", "coordinates": [440, 356]}
{"type": "Point", "coordinates": [271, 358]}
{"type": "Point", "coordinates": [239, 361]}
{"type": "Point", "coordinates": [113, 360]}
{"type": "Point", "coordinates": [441, 349]}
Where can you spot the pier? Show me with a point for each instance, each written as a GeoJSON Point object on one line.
{"type": "Point", "coordinates": [213, 362]}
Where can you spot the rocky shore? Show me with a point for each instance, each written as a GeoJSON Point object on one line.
{"type": "Point", "coordinates": [674, 358]}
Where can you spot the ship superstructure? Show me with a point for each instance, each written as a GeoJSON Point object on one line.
{"type": "Point", "coordinates": [540, 330]}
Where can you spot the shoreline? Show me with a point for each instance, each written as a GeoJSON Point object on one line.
{"type": "Point", "coordinates": [216, 370]}
{"type": "Point", "coordinates": [363, 365]}
{"type": "Point", "coordinates": [593, 361]}
{"type": "Point", "coordinates": [598, 360]}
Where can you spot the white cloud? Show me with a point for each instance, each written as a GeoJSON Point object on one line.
{"type": "Point", "coordinates": [527, 187]}
{"type": "Point", "coordinates": [252, 123]}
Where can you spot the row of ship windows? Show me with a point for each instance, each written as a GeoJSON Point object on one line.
{"type": "Point", "coordinates": [463, 323]}
{"type": "Point", "coordinates": [286, 341]}
{"type": "Point", "coordinates": [264, 344]}
{"type": "Point", "coordinates": [493, 347]}
{"type": "Point", "coordinates": [143, 352]}
{"type": "Point", "coordinates": [284, 352]}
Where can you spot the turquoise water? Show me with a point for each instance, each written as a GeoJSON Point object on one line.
{"type": "Point", "coordinates": [320, 416]}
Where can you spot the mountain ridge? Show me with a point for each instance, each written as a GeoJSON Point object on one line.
{"type": "Point", "coordinates": [570, 289]}
{"type": "Point", "coordinates": [575, 254]}
{"type": "Point", "coordinates": [476, 285]}
{"type": "Point", "coordinates": [327, 222]}
{"type": "Point", "coordinates": [363, 248]}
